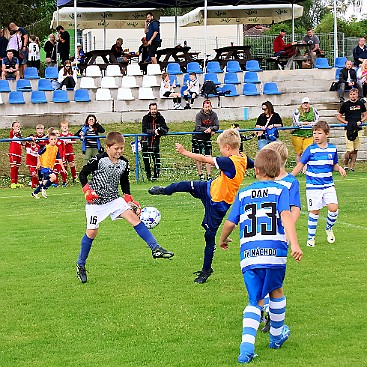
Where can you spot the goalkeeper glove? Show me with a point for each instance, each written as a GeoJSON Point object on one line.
{"type": "Point", "coordinates": [135, 206]}
{"type": "Point", "coordinates": [90, 194]}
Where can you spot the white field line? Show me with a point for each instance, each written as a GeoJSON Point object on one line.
{"type": "Point", "coordinates": [30, 197]}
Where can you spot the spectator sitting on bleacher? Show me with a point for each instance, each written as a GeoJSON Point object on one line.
{"type": "Point", "coordinates": [67, 76]}
{"type": "Point", "coordinates": [280, 47]}
{"type": "Point", "coordinates": [362, 77]}
{"type": "Point", "coordinates": [10, 66]}
{"type": "Point", "coordinates": [167, 91]}
{"type": "Point", "coordinates": [360, 51]}
{"type": "Point", "coordinates": [118, 51]}
{"type": "Point", "coordinates": [348, 79]}
{"type": "Point", "coordinates": [192, 91]}
{"type": "Point", "coordinates": [312, 40]}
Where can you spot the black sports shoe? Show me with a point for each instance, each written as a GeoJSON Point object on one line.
{"type": "Point", "coordinates": [203, 275]}
{"type": "Point", "coordinates": [187, 107]}
{"type": "Point", "coordinates": [156, 190]}
{"type": "Point", "coordinates": [266, 328]}
{"type": "Point", "coordinates": [160, 252]}
{"type": "Point", "coordinates": [81, 273]}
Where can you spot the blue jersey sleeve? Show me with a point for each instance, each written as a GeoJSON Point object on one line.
{"type": "Point", "coordinates": [283, 202]}
{"type": "Point", "coordinates": [250, 163]}
{"type": "Point", "coordinates": [42, 150]}
{"type": "Point", "coordinates": [294, 195]}
{"type": "Point", "coordinates": [226, 165]}
{"type": "Point", "coordinates": [305, 156]}
{"type": "Point", "coordinates": [234, 215]}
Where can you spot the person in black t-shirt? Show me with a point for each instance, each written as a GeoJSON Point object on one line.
{"type": "Point", "coordinates": [354, 112]}
{"type": "Point", "coordinates": [63, 45]}
{"type": "Point", "coordinates": [10, 66]}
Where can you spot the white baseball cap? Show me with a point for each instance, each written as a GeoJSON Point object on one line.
{"type": "Point", "coordinates": [306, 100]}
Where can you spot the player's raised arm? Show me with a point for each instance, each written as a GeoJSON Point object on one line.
{"type": "Point", "coordinates": [197, 157]}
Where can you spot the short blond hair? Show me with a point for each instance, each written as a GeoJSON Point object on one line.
{"type": "Point", "coordinates": [50, 130]}
{"type": "Point", "coordinates": [64, 123]}
{"type": "Point", "coordinates": [230, 137]}
{"type": "Point", "coordinates": [40, 126]}
{"type": "Point", "coordinates": [281, 148]}
{"type": "Point", "coordinates": [267, 161]}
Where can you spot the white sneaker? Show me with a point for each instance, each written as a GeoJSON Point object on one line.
{"type": "Point", "coordinates": [330, 235]}
{"type": "Point", "coordinates": [311, 242]}
{"type": "Point", "coordinates": [44, 193]}
{"type": "Point", "coordinates": [175, 106]}
{"type": "Point", "coordinates": [35, 195]}
{"type": "Point", "coordinates": [179, 107]}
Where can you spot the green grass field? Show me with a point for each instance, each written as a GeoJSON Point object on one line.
{"type": "Point", "coordinates": [136, 311]}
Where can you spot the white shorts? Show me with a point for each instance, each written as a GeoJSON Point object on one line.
{"type": "Point", "coordinates": [97, 213]}
{"type": "Point", "coordinates": [317, 199]}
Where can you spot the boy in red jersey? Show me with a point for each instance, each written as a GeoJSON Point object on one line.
{"type": "Point", "coordinates": [57, 168]}
{"type": "Point", "coordinates": [69, 150]}
{"type": "Point", "coordinates": [15, 154]}
{"type": "Point", "coordinates": [40, 133]}
{"type": "Point", "coordinates": [31, 158]}
{"type": "Point", "coordinates": [46, 161]}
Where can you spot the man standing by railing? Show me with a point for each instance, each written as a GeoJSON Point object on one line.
{"type": "Point", "coordinates": [153, 36]}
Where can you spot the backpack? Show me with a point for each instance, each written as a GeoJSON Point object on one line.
{"type": "Point", "coordinates": [208, 88]}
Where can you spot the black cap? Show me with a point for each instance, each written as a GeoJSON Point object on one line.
{"type": "Point", "coordinates": [283, 30]}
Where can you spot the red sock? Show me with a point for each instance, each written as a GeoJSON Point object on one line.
{"type": "Point", "coordinates": [57, 180]}
{"type": "Point", "coordinates": [14, 174]}
{"type": "Point", "coordinates": [35, 182]}
{"type": "Point", "coordinates": [73, 172]}
{"type": "Point", "coordinates": [64, 177]}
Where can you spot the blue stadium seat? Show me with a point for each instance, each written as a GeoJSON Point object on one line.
{"type": "Point", "coordinates": [233, 66]}
{"type": "Point", "coordinates": [173, 78]}
{"type": "Point", "coordinates": [213, 67]}
{"type": "Point", "coordinates": [251, 77]}
{"type": "Point", "coordinates": [45, 85]}
{"type": "Point", "coordinates": [213, 77]}
{"type": "Point", "coordinates": [183, 89]}
{"type": "Point", "coordinates": [51, 72]}
{"type": "Point", "coordinates": [253, 65]}
{"type": "Point", "coordinates": [81, 95]}
{"type": "Point", "coordinates": [60, 96]}
{"type": "Point", "coordinates": [231, 78]}
{"type": "Point", "coordinates": [31, 73]}
{"type": "Point", "coordinates": [337, 72]}
{"type": "Point", "coordinates": [24, 85]}
{"type": "Point", "coordinates": [231, 88]}
{"type": "Point", "coordinates": [4, 86]}
{"type": "Point", "coordinates": [271, 88]}
{"type": "Point", "coordinates": [340, 62]}
{"type": "Point", "coordinates": [16, 98]}
{"type": "Point", "coordinates": [186, 79]}
{"type": "Point", "coordinates": [250, 89]}
{"type": "Point", "coordinates": [38, 97]}
{"type": "Point", "coordinates": [322, 63]}
{"type": "Point", "coordinates": [194, 67]}
{"type": "Point", "coordinates": [174, 68]}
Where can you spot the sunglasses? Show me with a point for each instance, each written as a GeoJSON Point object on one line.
{"type": "Point", "coordinates": [264, 108]}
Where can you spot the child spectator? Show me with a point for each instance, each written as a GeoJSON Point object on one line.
{"type": "Point", "coordinates": [15, 154]}
{"type": "Point", "coordinates": [243, 137]}
{"type": "Point", "coordinates": [69, 150]}
{"type": "Point", "coordinates": [321, 159]}
{"type": "Point", "coordinates": [80, 54]}
{"type": "Point", "coordinates": [292, 185]}
{"type": "Point", "coordinates": [108, 169]}
{"type": "Point", "coordinates": [217, 195]}
{"type": "Point", "coordinates": [58, 168]}
{"type": "Point", "coordinates": [48, 156]}
{"type": "Point", "coordinates": [34, 52]}
{"type": "Point", "coordinates": [263, 249]}
{"type": "Point", "coordinates": [167, 91]}
{"type": "Point", "coordinates": [192, 90]}
{"type": "Point", "coordinates": [31, 159]}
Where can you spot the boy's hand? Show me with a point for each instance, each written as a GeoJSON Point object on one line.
{"type": "Point", "coordinates": [342, 171]}
{"type": "Point", "coordinates": [179, 148]}
{"type": "Point", "coordinates": [297, 253]}
{"type": "Point", "coordinates": [90, 195]}
{"type": "Point", "coordinates": [224, 243]}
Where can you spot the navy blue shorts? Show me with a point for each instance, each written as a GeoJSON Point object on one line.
{"type": "Point", "coordinates": [261, 281]}
{"type": "Point", "coordinates": [46, 173]}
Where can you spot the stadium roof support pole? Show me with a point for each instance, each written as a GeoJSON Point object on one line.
{"type": "Point", "coordinates": [75, 32]}
{"type": "Point", "coordinates": [335, 32]}
{"type": "Point", "coordinates": [176, 26]}
{"type": "Point", "coordinates": [292, 22]}
{"type": "Point", "coordinates": [205, 32]}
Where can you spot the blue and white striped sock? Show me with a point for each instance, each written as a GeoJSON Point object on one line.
{"type": "Point", "coordinates": [277, 308]}
{"type": "Point", "coordinates": [251, 322]}
{"type": "Point", "coordinates": [331, 219]}
{"type": "Point", "coordinates": [312, 224]}
{"type": "Point", "coordinates": [266, 303]}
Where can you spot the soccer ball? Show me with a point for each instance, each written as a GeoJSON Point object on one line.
{"type": "Point", "coordinates": [150, 216]}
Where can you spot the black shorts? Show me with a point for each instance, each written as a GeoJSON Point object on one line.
{"type": "Point", "coordinates": [167, 94]}
{"type": "Point", "coordinates": [153, 48]}
{"type": "Point", "coordinates": [202, 146]}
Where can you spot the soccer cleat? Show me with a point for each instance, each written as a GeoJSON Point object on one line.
{"type": "Point", "coordinates": [156, 190]}
{"type": "Point", "coordinates": [209, 178]}
{"type": "Point", "coordinates": [44, 193]}
{"type": "Point", "coordinates": [35, 195]}
{"type": "Point", "coordinates": [13, 186]}
{"type": "Point", "coordinates": [203, 275]}
{"type": "Point", "coordinates": [64, 184]}
{"type": "Point", "coordinates": [81, 273]}
{"type": "Point", "coordinates": [311, 242]}
{"type": "Point", "coordinates": [201, 177]}
{"type": "Point", "coordinates": [330, 235]}
{"type": "Point", "coordinates": [19, 185]}
{"type": "Point", "coordinates": [246, 358]}
{"type": "Point", "coordinates": [160, 252]}
{"type": "Point", "coordinates": [55, 185]}
{"type": "Point", "coordinates": [284, 336]}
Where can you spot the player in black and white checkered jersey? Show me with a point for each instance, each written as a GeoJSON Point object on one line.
{"type": "Point", "coordinates": [108, 169]}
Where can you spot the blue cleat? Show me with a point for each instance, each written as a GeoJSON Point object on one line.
{"type": "Point", "coordinates": [276, 344]}
{"type": "Point", "coordinates": [246, 355]}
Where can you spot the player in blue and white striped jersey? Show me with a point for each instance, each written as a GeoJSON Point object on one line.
{"type": "Point", "coordinates": [263, 212]}
{"type": "Point", "coordinates": [321, 159]}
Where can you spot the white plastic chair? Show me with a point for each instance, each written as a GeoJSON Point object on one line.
{"type": "Point", "coordinates": [154, 69]}
{"type": "Point", "coordinates": [93, 71]}
{"type": "Point", "coordinates": [133, 69]}
{"type": "Point", "coordinates": [125, 94]}
{"type": "Point", "coordinates": [129, 82]}
{"type": "Point", "coordinates": [146, 93]}
{"type": "Point", "coordinates": [103, 94]}
{"type": "Point", "coordinates": [108, 82]}
{"type": "Point", "coordinates": [149, 81]}
{"type": "Point", "coordinates": [1, 100]}
{"type": "Point", "coordinates": [113, 70]}
{"type": "Point", "coordinates": [87, 82]}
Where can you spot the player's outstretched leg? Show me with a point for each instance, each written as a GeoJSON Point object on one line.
{"type": "Point", "coordinates": [251, 322]}
{"type": "Point", "coordinates": [85, 247]}
{"type": "Point", "coordinates": [279, 332]}
{"type": "Point", "coordinates": [183, 186]}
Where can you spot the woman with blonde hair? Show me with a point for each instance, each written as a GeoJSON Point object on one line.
{"type": "Point", "coordinates": [362, 77]}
